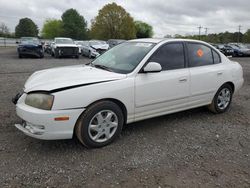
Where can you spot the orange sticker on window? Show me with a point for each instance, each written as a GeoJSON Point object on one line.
{"type": "Point", "coordinates": [200, 53]}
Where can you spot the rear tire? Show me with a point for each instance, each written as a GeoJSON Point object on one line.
{"type": "Point", "coordinates": [56, 54]}
{"type": "Point", "coordinates": [222, 99]}
{"type": "Point", "coordinates": [90, 55]}
{"type": "Point", "coordinates": [100, 124]}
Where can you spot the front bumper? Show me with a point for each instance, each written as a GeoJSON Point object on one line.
{"type": "Point", "coordinates": [41, 124]}
{"type": "Point", "coordinates": [37, 52]}
{"type": "Point", "coordinates": [94, 54]}
{"type": "Point", "coordinates": [68, 51]}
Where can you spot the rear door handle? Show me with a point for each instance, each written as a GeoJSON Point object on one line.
{"type": "Point", "coordinates": [182, 79]}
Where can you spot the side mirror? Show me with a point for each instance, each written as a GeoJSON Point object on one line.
{"type": "Point", "coordinates": [17, 42]}
{"type": "Point", "coordinates": [152, 67]}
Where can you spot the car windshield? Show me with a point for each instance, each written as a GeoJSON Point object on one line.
{"type": "Point", "coordinates": [96, 42]}
{"type": "Point", "coordinates": [234, 46]}
{"type": "Point", "coordinates": [123, 58]}
{"type": "Point", "coordinates": [241, 46]}
{"type": "Point", "coordinates": [79, 42]}
{"type": "Point", "coordinates": [29, 40]}
{"type": "Point", "coordinates": [64, 41]}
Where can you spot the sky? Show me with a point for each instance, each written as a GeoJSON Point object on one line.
{"type": "Point", "coordinates": [167, 17]}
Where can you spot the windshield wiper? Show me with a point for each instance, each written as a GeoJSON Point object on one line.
{"type": "Point", "coordinates": [102, 67]}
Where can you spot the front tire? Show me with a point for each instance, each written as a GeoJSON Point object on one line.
{"type": "Point", "coordinates": [56, 55]}
{"type": "Point", "coordinates": [222, 99]}
{"type": "Point", "coordinates": [90, 55]}
{"type": "Point", "coordinates": [100, 124]}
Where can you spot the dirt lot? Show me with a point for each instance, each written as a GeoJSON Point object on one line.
{"type": "Point", "coordinates": [189, 149]}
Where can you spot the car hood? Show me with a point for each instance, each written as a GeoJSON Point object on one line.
{"type": "Point", "coordinates": [29, 45]}
{"type": "Point", "coordinates": [244, 50]}
{"type": "Point", "coordinates": [69, 76]}
{"type": "Point", "coordinates": [100, 46]}
{"type": "Point", "coordinates": [66, 45]}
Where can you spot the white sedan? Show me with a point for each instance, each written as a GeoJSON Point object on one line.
{"type": "Point", "coordinates": [136, 80]}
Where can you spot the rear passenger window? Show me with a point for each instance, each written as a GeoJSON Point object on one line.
{"type": "Point", "coordinates": [199, 55]}
{"type": "Point", "coordinates": [216, 57]}
{"type": "Point", "coordinates": [170, 56]}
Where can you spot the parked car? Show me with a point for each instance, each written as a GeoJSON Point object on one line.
{"type": "Point", "coordinates": [30, 46]}
{"type": "Point", "coordinates": [133, 81]}
{"type": "Point", "coordinates": [225, 49]}
{"type": "Point", "coordinates": [64, 47]}
{"type": "Point", "coordinates": [239, 50]}
{"type": "Point", "coordinates": [94, 48]}
{"type": "Point", "coordinates": [47, 47]}
{"type": "Point", "coordinates": [79, 44]}
{"type": "Point", "coordinates": [114, 42]}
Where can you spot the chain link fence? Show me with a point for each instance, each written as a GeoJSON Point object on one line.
{"type": "Point", "coordinates": [12, 42]}
{"type": "Point", "coordinates": [8, 42]}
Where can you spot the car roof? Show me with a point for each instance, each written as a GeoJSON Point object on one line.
{"type": "Point", "coordinates": [62, 38]}
{"type": "Point", "coordinates": [28, 38]}
{"type": "Point", "coordinates": [158, 40]}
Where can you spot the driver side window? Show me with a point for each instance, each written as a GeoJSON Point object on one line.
{"type": "Point", "coordinates": [170, 56]}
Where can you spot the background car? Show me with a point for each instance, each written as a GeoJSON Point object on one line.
{"type": "Point", "coordinates": [64, 47]}
{"type": "Point", "coordinates": [79, 43]}
{"type": "Point", "coordinates": [94, 48]}
{"type": "Point", "coordinates": [47, 47]}
{"type": "Point", "coordinates": [225, 49]}
{"type": "Point", "coordinates": [114, 42]}
{"type": "Point", "coordinates": [240, 50]}
{"type": "Point", "coordinates": [30, 46]}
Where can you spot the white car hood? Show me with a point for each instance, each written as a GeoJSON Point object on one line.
{"type": "Point", "coordinates": [69, 76]}
{"type": "Point", "coordinates": [100, 46]}
{"type": "Point", "coordinates": [65, 45]}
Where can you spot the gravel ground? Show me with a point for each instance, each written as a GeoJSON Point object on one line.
{"type": "Point", "coordinates": [194, 148]}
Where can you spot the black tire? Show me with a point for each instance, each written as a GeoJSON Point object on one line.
{"type": "Point", "coordinates": [83, 123]}
{"type": "Point", "coordinates": [20, 56]}
{"type": "Point", "coordinates": [56, 54]}
{"type": "Point", "coordinates": [77, 56]}
{"type": "Point", "coordinates": [89, 55]}
{"type": "Point", "coordinates": [214, 106]}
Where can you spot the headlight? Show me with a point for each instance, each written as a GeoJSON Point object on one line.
{"type": "Point", "coordinates": [40, 100]}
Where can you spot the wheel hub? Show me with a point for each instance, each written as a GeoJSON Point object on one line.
{"type": "Point", "coordinates": [103, 126]}
{"type": "Point", "coordinates": [224, 98]}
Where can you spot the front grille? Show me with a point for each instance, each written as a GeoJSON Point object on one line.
{"type": "Point", "coordinates": [101, 51]}
{"type": "Point", "coordinates": [68, 51]}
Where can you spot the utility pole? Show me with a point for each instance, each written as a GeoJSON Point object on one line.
{"type": "Point", "coordinates": [199, 32]}
{"type": "Point", "coordinates": [239, 34]}
{"type": "Point", "coordinates": [206, 29]}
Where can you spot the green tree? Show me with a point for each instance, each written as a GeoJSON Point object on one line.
{"type": "Point", "coordinates": [74, 25]}
{"type": "Point", "coordinates": [143, 30]}
{"type": "Point", "coordinates": [52, 28]}
{"type": "Point", "coordinates": [246, 37]}
{"type": "Point", "coordinates": [113, 22]}
{"type": "Point", "coordinates": [26, 28]}
{"type": "Point", "coordinates": [4, 30]}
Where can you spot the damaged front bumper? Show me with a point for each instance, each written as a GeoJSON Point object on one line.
{"type": "Point", "coordinates": [41, 124]}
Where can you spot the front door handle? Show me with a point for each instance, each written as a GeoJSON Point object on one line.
{"type": "Point", "coordinates": [182, 79]}
{"type": "Point", "coordinates": [219, 73]}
